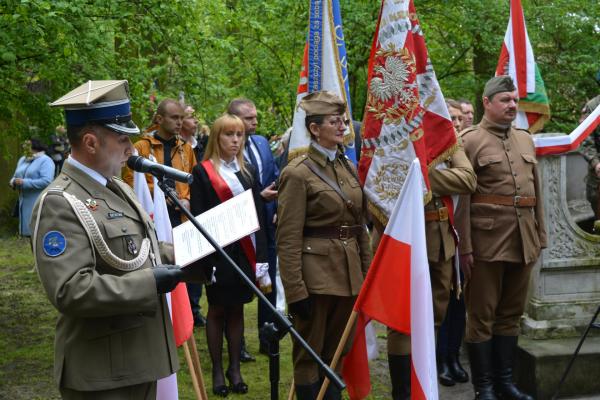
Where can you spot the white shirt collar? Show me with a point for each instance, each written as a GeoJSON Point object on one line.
{"type": "Point", "coordinates": [234, 166]}
{"type": "Point", "coordinates": [192, 141]}
{"type": "Point", "coordinates": [330, 154]}
{"type": "Point", "coordinates": [95, 175]}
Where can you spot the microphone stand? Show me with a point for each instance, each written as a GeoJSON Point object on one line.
{"type": "Point", "coordinates": [273, 331]}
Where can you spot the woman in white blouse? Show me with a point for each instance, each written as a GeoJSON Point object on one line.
{"type": "Point", "coordinates": [221, 175]}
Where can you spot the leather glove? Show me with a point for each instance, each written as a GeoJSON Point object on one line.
{"type": "Point", "coordinates": [167, 277]}
{"type": "Point", "coordinates": [301, 308]}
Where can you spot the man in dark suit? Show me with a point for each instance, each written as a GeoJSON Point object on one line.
{"type": "Point", "coordinates": [258, 153]}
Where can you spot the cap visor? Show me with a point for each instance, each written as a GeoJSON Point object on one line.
{"type": "Point", "coordinates": [124, 128]}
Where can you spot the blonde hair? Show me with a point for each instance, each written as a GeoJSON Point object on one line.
{"type": "Point", "coordinates": [213, 150]}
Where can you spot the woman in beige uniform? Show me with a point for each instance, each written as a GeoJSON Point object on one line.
{"type": "Point", "coordinates": [322, 242]}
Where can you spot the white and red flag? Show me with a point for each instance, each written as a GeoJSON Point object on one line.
{"type": "Point", "coordinates": [405, 114]}
{"type": "Point", "coordinates": [179, 304]}
{"type": "Point", "coordinates": [547, 144]}
{"type": "Point", "coordinates": [517, 60]}
{"type": "Point", "coordinates": [397, 293]}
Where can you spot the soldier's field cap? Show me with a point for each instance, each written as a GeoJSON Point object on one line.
{"type": "Point", "coordinates": [100, 102]}
{"type": "Point", "coordinates": [323, 103]}
{"type": "Point", "coordinates": [498, 84]}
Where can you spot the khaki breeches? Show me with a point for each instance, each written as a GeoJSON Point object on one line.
{"type": "Point", "coordinates": [495, 298]}
{"type": "Point", "coordinates": [440, 274]}
{"type": "Point", "coordinates": [143, 391]}
{"type": "Point", "coordinates": [329, 315]}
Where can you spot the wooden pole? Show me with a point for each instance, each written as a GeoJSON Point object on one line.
{"type": "Point", "coordinates": [188, 358]}
{"type": "Point", "coordinates": [197, 367]}
{"type": "Point", "coordinates": [292, 391]}
{"type": "Point", "coordinates": [338, 351]}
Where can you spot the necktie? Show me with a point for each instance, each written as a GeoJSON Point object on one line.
{"type": "Point", "coordinates": [252, 159]}
{"type": "Point", "coordinates": [112, 186]}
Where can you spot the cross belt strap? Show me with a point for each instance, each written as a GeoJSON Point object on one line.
{"type": "Point", "coordinates": [514, 201]}
{"type": "Point", "coordinates": [349, 203]}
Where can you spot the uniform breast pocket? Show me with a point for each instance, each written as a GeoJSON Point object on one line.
{"type": "Point", "coordinates": [489, 160]}
{"type": "Point", "coordinates": [123, 238]}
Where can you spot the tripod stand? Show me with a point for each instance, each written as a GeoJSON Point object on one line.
{"type": "Point", "coordinates": [592, 324]}
{"type": "Point", "coordinates": [275, 332]}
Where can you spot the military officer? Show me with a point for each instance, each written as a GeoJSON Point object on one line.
{"type": "Point", "coordinates": [501, 229]}
{"type": "Point", "coordinates": [455, 177]}
{"type": "Point", "coordinates": [322, 242]}
{"type": "Point", "coordinates": [99, 260]}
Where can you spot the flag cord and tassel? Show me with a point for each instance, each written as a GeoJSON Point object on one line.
{"type": "Point", "coordinates": [338, 351]}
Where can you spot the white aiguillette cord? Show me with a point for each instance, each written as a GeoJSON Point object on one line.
{"type": "Point", "coordinates": [91, 227]}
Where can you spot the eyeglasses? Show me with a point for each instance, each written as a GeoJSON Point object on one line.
{"type": "Point", "coordinates": [339, 122]}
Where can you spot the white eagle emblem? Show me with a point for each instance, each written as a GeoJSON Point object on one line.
{"type": "Point", "coordinates": [392, 80]}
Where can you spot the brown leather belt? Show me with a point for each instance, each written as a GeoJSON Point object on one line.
{"type": "Point", "coordinates": [343, 232]}
{"type": "Point", "coordinates": [515, 201]}
{"type": "Point", "coordinates": [441, 214]}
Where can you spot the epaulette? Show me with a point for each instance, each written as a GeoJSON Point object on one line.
{"type": "Point", "coordinates": [469, 129]}
{"type": "Point", "coordinates": [297, 160]}
{"type": "Point", "coordinates": [522, 129]}
{"type": "Point", "coordinates": [59, 185]}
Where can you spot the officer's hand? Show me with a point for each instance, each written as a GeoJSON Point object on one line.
{"type": "Point", "coordinates": [597, 170]}
{"type": "Point", "coordinates": [466, 265]}
{"type": "Point", "coordinates": [167, 277]}
{"type": "Point", "coordinates": [301, 308]}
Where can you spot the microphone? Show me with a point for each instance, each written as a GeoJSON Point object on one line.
{"type": "Point", "coordinates": [141, 164]}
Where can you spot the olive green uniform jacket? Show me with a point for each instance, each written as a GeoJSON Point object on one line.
{"type": "Point", "coordinates": [318, 265]}
{"type": "Point", "coordinates": [505, 163]}
{"type": "Point", "coordinates": [113, 329]}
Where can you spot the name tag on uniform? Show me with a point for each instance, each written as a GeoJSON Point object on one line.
{"type": "Point", "coordinates": [113, 215]}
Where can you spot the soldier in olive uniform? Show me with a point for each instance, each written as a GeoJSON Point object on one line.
{"type": "Point", "coordinates": [99, 260]}
{"type": "Point", "coordinates": [456, 178]}
{"type": "Point", "coordinates": [322, 242]}
{"type": "Point", "coordinates": [502, 231]}
{"type": "Point", "coordinates": [590, 148]}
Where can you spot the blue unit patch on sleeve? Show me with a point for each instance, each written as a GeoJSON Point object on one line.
{"type": "Point", "coordinates": [54, 243]}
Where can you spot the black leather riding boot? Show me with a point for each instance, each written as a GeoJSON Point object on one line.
{"type": "Point", "coordinates": [503, 355]}
{"type": "Point", "coordinates": [400, 376]}
{"type": "Point", "coordinates": [307, 392]}
{"type": "Point", "coordinates": [480, 357]}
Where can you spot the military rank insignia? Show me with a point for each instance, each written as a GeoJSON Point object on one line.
{"type": "Point", "coordinates": [91, 204]}
{"type": "Point", "coordinates": [54, 243]}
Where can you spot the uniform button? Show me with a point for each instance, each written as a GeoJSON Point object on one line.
{"type": "Point", "coordinates": [308, 248]}
{"type": "Point", "coordinates": [345, 243]}
{"type": "Point", "coordinates": [512, 162]}
{"type": "Point", "coordinates": [519, 214]}
{"type": "Point", "coordinates": [515, 174]}
{"type": "Point", "coordinates": [341, 183]}
{"type": "Point", "coordinates": [518, 187]}
{"type": "Point", "coordinates": [65, 178]}
{"type": "Point", "coordinates": [124, 229]}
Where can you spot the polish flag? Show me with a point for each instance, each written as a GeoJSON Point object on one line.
{"type": "Point", "coordinates": [178, 300]}
{"type": "Point", "coordinates": [397, 293]}
{"type": "Point", "coordinates": [548, 144]}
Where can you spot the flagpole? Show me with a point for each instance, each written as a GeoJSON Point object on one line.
{"type": "Point", "coordinates": [338, 351]}
{"type": "Point", "coordinates": [197, 368]}
{"type": "Point", "coordinates": [190, 363]}
{"type": "Point", "coordinates": [292, 390]}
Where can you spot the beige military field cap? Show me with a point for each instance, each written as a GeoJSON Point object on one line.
{"type": "Point", "coordinates": [100, 102]}
{"type": "Point", "coordinates": [498, 84]}
{"type": "Point", "coordinates": [323, 103]}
